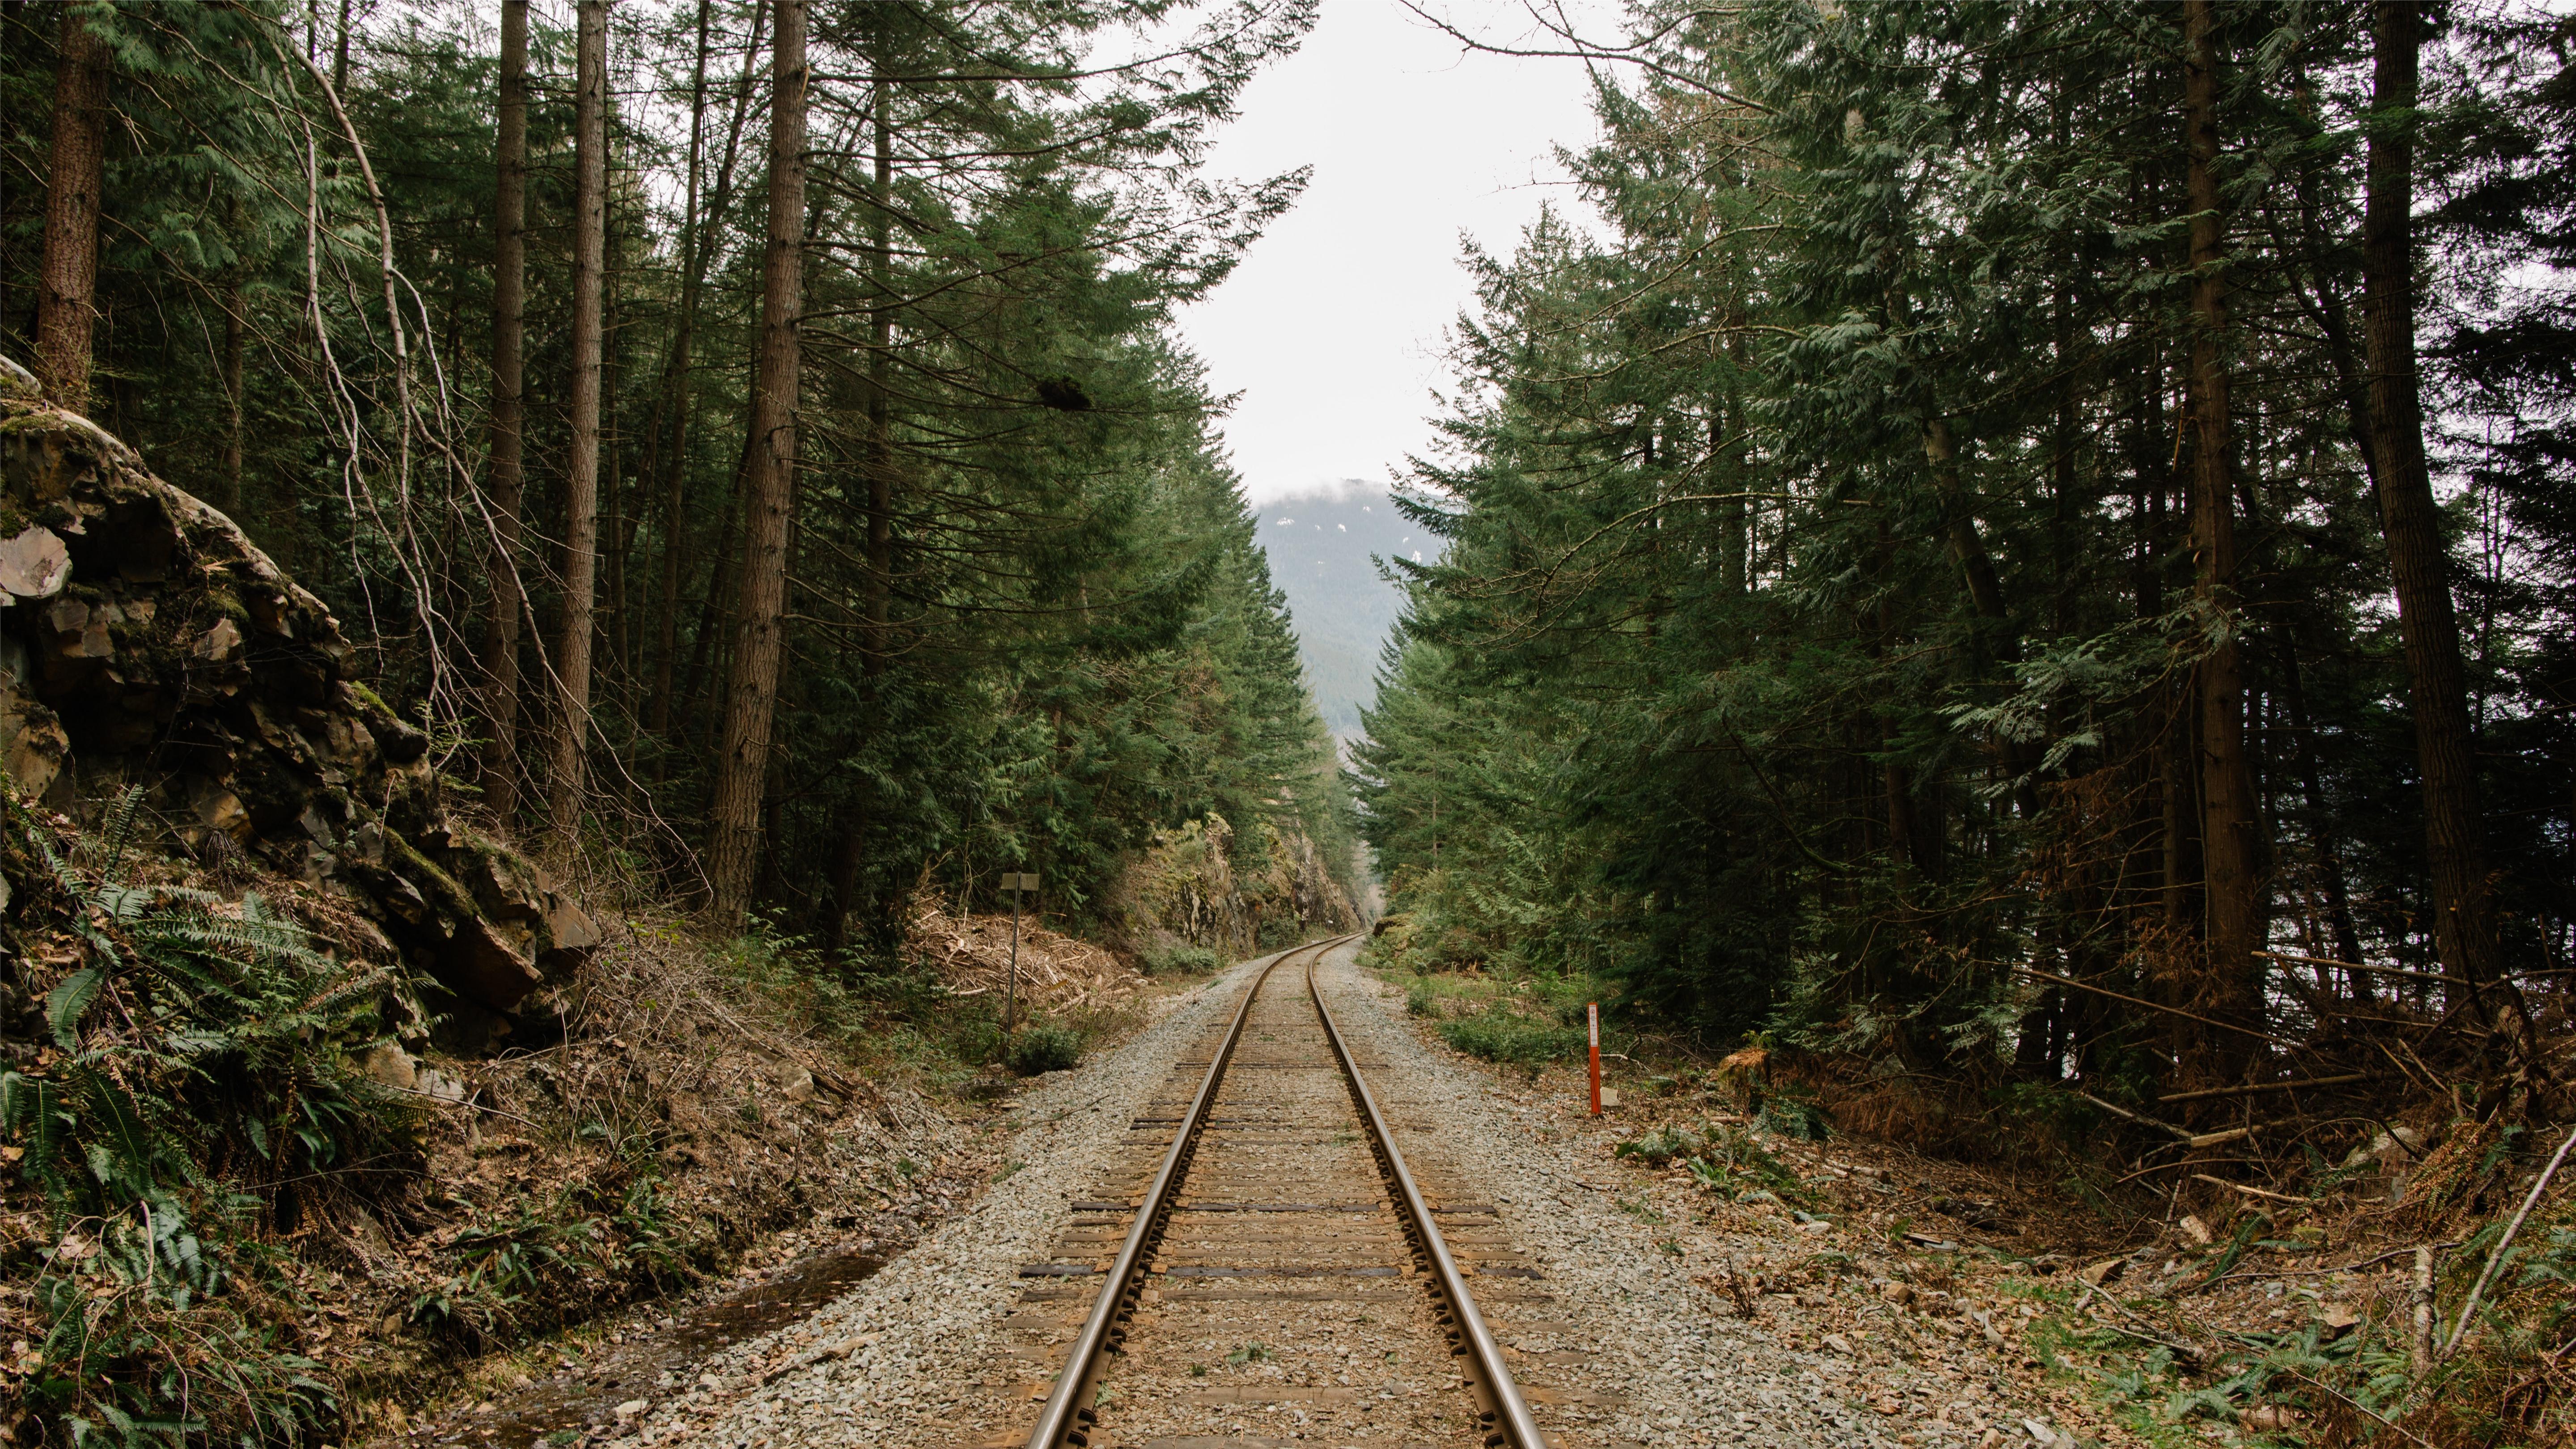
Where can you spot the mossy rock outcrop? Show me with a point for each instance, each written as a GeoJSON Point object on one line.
{"type": "Point", "coordinates": [144, 640]}
{"type": "Point", "coordinates": [1185, 888]}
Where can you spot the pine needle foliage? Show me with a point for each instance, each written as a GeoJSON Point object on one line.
{"type": "Point", "coordinates": [1817, 644]}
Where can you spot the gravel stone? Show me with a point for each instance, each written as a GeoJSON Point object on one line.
{"type": "Point", "coordinates": [1671, 1367]}
{"type": "Point", "coordinates": [932, 1319]}
{"type": "Point", "coordinates": [1629, 1349]}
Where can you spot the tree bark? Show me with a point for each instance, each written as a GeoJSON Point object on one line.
{"type": "Point", "coordinates": [2327, 307]}
{"type": "Point", "coordinates": [880, 582]}
{"type": "Point", "coordinates": [1896, 786]}
{"type": "Point", "coordinates": [751, 694]}
{"type": "Point", "coordinates": [1734, 534]}
{"type": "Point", "coordinates": [2233, 896]}
{"type": "Point", "coordinates": [673, 693]}
{"type": "Point", "coordinates": [1985, 589]}
{"type": "Point", "coordinates": [715, 608]}
{"type": "Point", "coordinates": [67, 290]}
{"type": "Point", "coordinates": [236, 344]}
{"type": "Point", "coordinates": [340, 53]}
{"type": "Point", "coordinates": [2464, 916]}
{"type": "Point", "coordinates": [2339, 920]}
{"type": "Point", "coordinates": [1967, 547]}
{"type": "Point", "coordinates": [608, 633]}
{"type": "Point", "coordinates": [666, 616]}
{"type": "Point", "coordinates": [877, 594]}
{"type": "Point", "coordinates": [572, 650]}
{"type": "Point", "coordinates": [508, 488]}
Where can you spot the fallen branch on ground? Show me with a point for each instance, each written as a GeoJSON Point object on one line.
{"type": "Point", "coordinates": [2486, 1275]}
{"type": "Point", "coordinates": [2250, 1191]}
{"type": "Point", "coordinates": [2181, 1350]}
{"type": "Point", "coordinates": [2250, 1089]}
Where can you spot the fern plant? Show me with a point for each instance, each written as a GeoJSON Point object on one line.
{"type": "Point", "coordinates": [196, 1044]}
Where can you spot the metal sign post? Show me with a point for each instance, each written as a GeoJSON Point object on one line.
{"type": "Point", "coordinates": [1017, 881]}
{"type": "Point", "coordinates": [1592, 1017]}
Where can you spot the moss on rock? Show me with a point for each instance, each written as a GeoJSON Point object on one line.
{"type": "Point", "coordinates": [179, 656]}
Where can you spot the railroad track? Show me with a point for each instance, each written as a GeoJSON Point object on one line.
{"type": "Point", "coordinates": [1277, 1267]}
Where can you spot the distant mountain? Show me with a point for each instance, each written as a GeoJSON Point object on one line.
{"type": "Point", "coordinates": [1321, 548]}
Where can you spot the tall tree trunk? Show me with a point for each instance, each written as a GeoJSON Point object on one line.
{"type": "Point", "coordinates": [508, 488]}
{"type": "Point", "coordinates": [880, 583]}
{"type": "Point", "coordinates": [340, 53]}
{"type": "Point", "coordinates": [2464, 915]}
{"type": "Point", "coordinates": [715, 611]}
{"type": "Point", "coordinates": [1985, 590]}
{"type": "Point", "coordinates": [2173, 756]}
{"type": "Point", "coordinates": [671, 694]}
{"type": "Point", "coordinates": [2178, 790]}
{"type": "Point", "coordinates": [2339, 921]}
{"type": "Point", "coordinates": [2232, 987]}
{"type": "Point", "coordinates": [2326, 305]}
{"type": "Point", "coordinates": [1734, 534]}
{"type": "Point", "coordinates": [67, 291]}
{"type": "Point", "coordinates": [875, 624]}
{"type": "Point", "coordinates": [1967, 547]}
{"type": "Point", "coordinates": [236, 344]}
{"type": "Point", "coordinates": [666, 614]}
{"type": "Point", "coordinates": [751, 695]}
{"type": "Point", "coordinates": [2066, 512]}
{"type": "Point", "coordinates": [1896, 785]}
{"type": "Point", "coordinates": [572, 650]}
{"type": "Point", "coordinates": [609, 635]}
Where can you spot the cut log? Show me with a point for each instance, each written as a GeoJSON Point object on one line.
{"type": "Point", "coordinates": [34, 563]}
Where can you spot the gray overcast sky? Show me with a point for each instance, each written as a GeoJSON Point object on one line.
{"type": "Point", "coordinates": [1331, 328]}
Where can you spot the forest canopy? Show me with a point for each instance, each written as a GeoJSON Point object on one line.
{"type": "Point", "coordinates": [782, 392]}
{"type": "Point", "coordinates": [2025, 540]}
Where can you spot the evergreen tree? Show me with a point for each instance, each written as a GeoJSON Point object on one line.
{"type": "Point", "coordinates": [1916, 585]}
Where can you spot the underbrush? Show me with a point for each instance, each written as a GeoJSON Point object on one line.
{"type": "Point", "coordinates": [1182, 960]}
{"type": "Point", "coordinates": [1042, 1047]}
{"type": "Point", "coordinates": [2255, 1290]}
{"type": "Point", "coordinates": [1725, 1159]}
{"type": "Point", "coordinates": [177, 1107]}
{"type": "Point", "coordinates": [905, 1020]}
{"type": "Point", "coordinates": [1512, 1017]}
{"type": "Point", "coordinates": [1512, 1040]}
{"type": "Point", "coordinates": [2268, 1318]}
{"type": "Point", "coordinates": [2280, 1315]}
{"type": "Point", "coordinates": [2251, 1332]}
{"type": "Point", "coordinates": [235, 1207]}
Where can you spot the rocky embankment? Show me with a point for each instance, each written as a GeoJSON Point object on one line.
{"type": "Point", "coordinates": [146, 642]}
{"type": "Point", "coordinates": [589, 1114]}
{"type": "Point", "coordinates": [569, 1114]}
{"type": "Point", "coordinates": [1185, 889]}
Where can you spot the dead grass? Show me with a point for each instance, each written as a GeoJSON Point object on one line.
{"type": "Point", "coordinates": [1057, 974]}
{"type": "Point", "coordinates": [2161, 1307]}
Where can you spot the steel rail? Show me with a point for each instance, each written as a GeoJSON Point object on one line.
{"type": "Point", "coordinates": [1465, 1327]}
{"type": "Point", "coordinates": [1067, 1418]}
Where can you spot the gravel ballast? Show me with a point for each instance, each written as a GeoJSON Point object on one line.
{"type": "Point", "coordinates": [1631, 1331]}
{"type": "Point", "coordinates": [885, 1364]}
{"type": "Point", "coordinates": [1632, 1259]}
{"type": "Point", "coordinates": [1619, 1341]}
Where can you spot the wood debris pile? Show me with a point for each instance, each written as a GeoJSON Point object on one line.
{"type": "Point", "coordinates": [972, 955]}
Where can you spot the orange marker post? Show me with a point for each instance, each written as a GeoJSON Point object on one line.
{"type": "Point", "coordinates": [1592, 1016]}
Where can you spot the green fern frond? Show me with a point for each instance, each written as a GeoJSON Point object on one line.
{"type": "Point", "coordinates": [40, 840]}
{"type": "Point", "coordinates": [69, 1001]}
{"type": "Point", "coordinates": [124, 820]}
{"type": "Point", "coordinates": [346, 991]}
